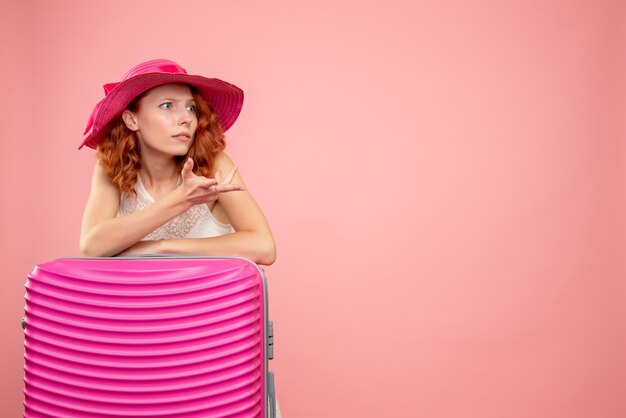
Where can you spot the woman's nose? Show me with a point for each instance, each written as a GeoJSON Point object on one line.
{"type": "Point", "coordinates": [184, 117]}
{"type": "Point", "coordinates": [184, 120]}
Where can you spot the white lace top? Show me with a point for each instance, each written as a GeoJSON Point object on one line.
{"type": "Point", "coordinates": [196, 222]}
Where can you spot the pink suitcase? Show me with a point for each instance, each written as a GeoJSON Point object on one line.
{"type": "Point", "coordinates": [169, 337]}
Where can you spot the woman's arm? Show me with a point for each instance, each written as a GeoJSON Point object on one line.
{"type": "Point", "coordinates": [103, 234]}
{"type": "Point", "coordinates": [252, 237]}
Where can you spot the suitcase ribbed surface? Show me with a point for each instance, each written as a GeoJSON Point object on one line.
{"type": "Point", "coordinates": [144, 338]}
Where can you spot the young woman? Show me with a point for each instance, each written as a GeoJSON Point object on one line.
{"type": "Point", "coordinates": [162, 182]}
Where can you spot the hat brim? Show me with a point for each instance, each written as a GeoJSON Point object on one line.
{"type": "Point", "coordinates": [224, 98]}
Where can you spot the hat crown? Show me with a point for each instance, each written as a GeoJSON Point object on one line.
{"type": "Point", "coordinates": [154, 66]}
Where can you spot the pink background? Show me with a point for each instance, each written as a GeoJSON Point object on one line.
{"type": "Point", "coordinates": [445, 182]}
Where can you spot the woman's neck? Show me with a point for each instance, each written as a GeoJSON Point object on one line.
{"type": "Point", "coordinates": [157, 173]}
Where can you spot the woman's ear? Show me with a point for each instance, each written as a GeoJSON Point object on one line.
{"type": "Point", "coordinates": [130, 120]}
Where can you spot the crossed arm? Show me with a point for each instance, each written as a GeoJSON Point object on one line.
{"type": "Point", "coordinates": [103, 234]}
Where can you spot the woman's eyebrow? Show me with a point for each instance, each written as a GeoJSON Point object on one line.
{"type": "Point", "coordinates": [190, 99]}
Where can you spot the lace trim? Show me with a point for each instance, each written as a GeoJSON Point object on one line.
{"type": "Point", "coordinates": [178, 227]}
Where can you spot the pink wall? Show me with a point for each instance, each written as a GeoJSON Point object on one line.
{"type": "Point", "coordinates": [445, 181]}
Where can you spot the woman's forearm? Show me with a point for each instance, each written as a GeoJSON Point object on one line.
{"type": "Point", "coordinates": [256, 246]}
{"type": "Point", "coordinates": [114, 235]}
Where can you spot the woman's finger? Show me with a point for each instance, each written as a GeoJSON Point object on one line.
{"type": "Point", "coordinates": [206, 182]}
{"type": "Point", "coordinates": [211, 186]}
{"type": "Point", "coordinates": [224, 188]}
{"type": "Point", "coordinates": [187, 172]}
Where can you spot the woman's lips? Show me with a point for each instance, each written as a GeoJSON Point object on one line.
{"type": "Point", "coordinates": [182, 138]}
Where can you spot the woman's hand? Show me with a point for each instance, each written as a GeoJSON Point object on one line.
{"type": "Point", "coordinates": [142, 247]}
{"type": "Point", "coordinates": [198, 190]}
{"type": "Point", "coordinates": [252, 238]}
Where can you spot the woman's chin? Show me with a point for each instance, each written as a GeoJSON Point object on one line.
{"type": "Point", "coordinates": [181, 149]}
{"type": "Point", "coordinates": [181, 153]}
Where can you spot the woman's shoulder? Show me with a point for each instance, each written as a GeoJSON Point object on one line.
{"type": "Point", "coordinates": [101, 181]}
{"type": "Point", "coordinates": [99, 172]}
{"type": "Point", "coordinates": [223, 160]}
{"type": "Point", "coordinates": [222, 163]}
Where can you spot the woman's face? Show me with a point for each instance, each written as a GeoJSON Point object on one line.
{"type": "Point", "coordinates": [166, 121]}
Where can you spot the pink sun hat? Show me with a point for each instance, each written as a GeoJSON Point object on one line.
{"type": "Point", "coordinates": [224, 98]}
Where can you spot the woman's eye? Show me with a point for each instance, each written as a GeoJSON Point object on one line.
{"type": "Point", "coordinates": [191, 108]}
{"type": "Point", "coordinates": [166, 105]}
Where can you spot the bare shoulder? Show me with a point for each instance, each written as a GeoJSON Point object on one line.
{"type": "Point", "coordinates": [223, 162]}
{"type": "Point", "coordinates": [99, 172]}
{"type": "Point", "coordinates": [224, 165]}
{"type": "Point", "coordinates": [104, 195]}
{"type": "Point", "coordinates": [101, 182]}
